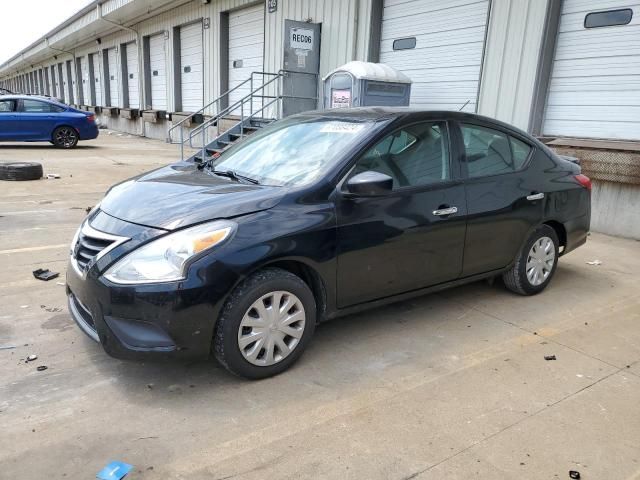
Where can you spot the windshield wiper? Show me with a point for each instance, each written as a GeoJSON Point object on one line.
{"type": "Point", "coordinates": [234, 176]}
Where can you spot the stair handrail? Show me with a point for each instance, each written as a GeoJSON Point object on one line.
{"type": "Point", "coordinates": [271, 102]}
{"type": "Point", "coordinates": [230, 108]}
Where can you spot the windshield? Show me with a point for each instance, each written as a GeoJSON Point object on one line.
{"type": "Point", "coordinates": [292, 152]}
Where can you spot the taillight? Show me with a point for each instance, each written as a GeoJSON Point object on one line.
{"type": "Point", "coordinates": [584, 181]}
{"type": "Point", "coordinates": [91, 118]}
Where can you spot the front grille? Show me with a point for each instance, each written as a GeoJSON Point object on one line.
{"type": "Point", "coordinates": [90, 244]}
{"type": "Point", "coordinates": [88, 248]}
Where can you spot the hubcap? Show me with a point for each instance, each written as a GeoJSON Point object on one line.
{"type": "Point", "coordinates": [65, 137]}
{"type": "Point", "coordinates": [540, 261]}
{"type": "Point", "coordinates": [271, 328]}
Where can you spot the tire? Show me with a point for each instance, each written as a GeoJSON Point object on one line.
{"type": "Point", "coordinates": [20, 171]}
{"type": "Point", "coordinates": [523, 280]}
{"type": "Point", "coordinates": [65, 137]}
{"type": "Point", "coordinates": [239, 310]}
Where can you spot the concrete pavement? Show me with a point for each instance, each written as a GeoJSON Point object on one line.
{"type": "Point", "coordinates": [452, 385]}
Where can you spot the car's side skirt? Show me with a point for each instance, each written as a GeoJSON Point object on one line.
{"type": "Point", "coordinates": [412, 294]}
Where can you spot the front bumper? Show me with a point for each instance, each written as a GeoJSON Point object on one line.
{"type": "Point", "coordinates": [133, 322]}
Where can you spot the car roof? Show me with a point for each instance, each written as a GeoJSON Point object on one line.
{"type": "Point", "coordinates": [23, 96]}
{"type": "Point", "coordinates": [390, 113]}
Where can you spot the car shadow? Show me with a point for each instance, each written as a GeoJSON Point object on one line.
{"type": "Point", "coordinates": [41, 146]}
{"type": "Point", "coordinates": [161, 381]}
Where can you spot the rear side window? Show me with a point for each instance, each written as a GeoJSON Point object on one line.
{"type": "Point", "coordinates": [7, 106]}
{"type": "Point", "coordinates": [37, 106]}
{"type": "Point", "coordinates": [491, 152]}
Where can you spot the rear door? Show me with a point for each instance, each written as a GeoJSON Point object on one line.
{"type": "Point", "coordinates": [8, 120]}
{"type": "Point", "coordinates": [403, 241]}
{"type": "Point", "coordinates": [504, 198]}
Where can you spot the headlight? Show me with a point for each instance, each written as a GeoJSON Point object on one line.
{"type": "Point", "coordinates": [165, 259]}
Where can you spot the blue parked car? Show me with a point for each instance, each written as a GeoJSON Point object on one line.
{"type": "Point", "coordinates": [29, 118]}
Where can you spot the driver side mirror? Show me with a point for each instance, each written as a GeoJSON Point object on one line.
{"type": "Point", "coordinates": [370, 184]}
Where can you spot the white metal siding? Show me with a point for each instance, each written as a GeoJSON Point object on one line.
{"type": "Point", "coordinates": [132, 75]}
{"type": "Point", "coordinates": [191, 62]}
{"type": "Point", "coordinates": [114, 78]}
{"type": "Point", "coordinates": [446, 62]}
{"type": "Point", "coordinates": [97, 78]}
{"type": "Point", "coordinates": [246, 52]}
{"type": "Point", "coordinates": [595, 82]}
{"type": "Point", "coordinates": [158, 67]}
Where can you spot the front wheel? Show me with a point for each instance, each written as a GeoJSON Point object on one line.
{"type": "Point", "coordinates": [265, 325]}
{"type": "Point", "coordinates": [536, 263]}
{"type": "Point", "coordinates": [65, 137]}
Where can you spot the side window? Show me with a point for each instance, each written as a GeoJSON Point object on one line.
{"type": "Point", "coordinates": [414, 155]}
{"type": "Point", "coordinates": [490, 152]}
{"type": "Point", "coordinates": [6, 106]}
{"type": "Point", "coordinates": [520, 151]}
{"type": "Point", "coordinates": [36, 106]}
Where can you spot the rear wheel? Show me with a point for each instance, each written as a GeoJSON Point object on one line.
{"type": "Point", "coordinates": [536, 263]}
{"type": "Point", "coordinates": [65, 137]}
{"type": "Point", "coordinates": [265, 325]}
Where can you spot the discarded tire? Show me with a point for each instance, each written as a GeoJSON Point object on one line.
{"type": "Point", "coordinates": [20, 171]}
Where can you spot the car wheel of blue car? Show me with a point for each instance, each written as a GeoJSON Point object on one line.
{"type": "Point", "coordinates": [65, 137]}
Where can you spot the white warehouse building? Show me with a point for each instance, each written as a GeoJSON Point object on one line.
{"type": "Point", "coordinates": [564, 70]}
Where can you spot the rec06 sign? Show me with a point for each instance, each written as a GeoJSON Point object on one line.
{"type": "Point", "coordinates": [301, 38]}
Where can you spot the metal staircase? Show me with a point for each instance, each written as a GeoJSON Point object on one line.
{"type": "Point", "coordinates": [228, 122]}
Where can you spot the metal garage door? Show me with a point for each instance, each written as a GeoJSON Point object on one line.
{"type": "Point", "coordinates": [158, 68]}
{"type": "Point", "coordinates": [595, 81]}
{"type": "Point", "coordinates": [54, 81]}
{"type": "Point", "coordinates": [97, 79]}
{"type": "Point", "coordinates": [246, 52]}
{"type": "Point", "coordinates": [191, 63]}
{"type": "Point", "coordinates": [67, 79]}
{"type": "Point", "coordinates": [114, 85]}
{"type": "Point", "coordinates": [62, 94]}
{"type": "Point", "coordinates": [439, 44]}
{"type": "Point", "coordinates": [132, 75]}
{"type": "Point", "coordinates": [84, 69]}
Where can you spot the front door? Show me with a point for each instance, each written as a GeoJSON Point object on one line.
{"type": "Point", "coordinates": [8, 120]}
{"type": "Point", "coordinates": [404, 240]}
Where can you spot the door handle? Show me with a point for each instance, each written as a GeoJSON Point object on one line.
{"type": "Point", "coordinates": [445, 211]}
{"type": "Point", "coordinates": [535, 196]}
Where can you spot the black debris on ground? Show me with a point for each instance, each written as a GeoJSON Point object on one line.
{"type": "Point", "coordinates": [45, 274]}
{"type": "Point", "coordinates": [549, 357]}
{"type": "Point", "coordinates": [574, 474]}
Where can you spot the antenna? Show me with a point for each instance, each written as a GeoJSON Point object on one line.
{"type": "Point", "coordinates": [462, 107]}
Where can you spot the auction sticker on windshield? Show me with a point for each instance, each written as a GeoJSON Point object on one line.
{"type": "Point", "coordinates": [342, 127]}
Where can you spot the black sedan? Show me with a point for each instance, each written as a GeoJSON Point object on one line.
{"type": "Point", "coordinates": [316, 216]}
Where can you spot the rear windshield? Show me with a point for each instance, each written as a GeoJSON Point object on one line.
{"type": "Point", "coordinates": [293, 151]}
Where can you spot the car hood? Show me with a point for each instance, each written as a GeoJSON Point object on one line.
{"type": "Point", "coordinates": [180, 195]}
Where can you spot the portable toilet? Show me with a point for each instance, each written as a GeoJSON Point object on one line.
{"type": "Point", "coordinates": [362, 84]}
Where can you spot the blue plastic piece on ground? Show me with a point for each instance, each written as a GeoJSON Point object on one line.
{"type": "Point", "coordinates": [114, 471]}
